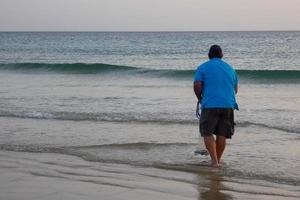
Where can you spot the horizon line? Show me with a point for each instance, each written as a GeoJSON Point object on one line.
{"type": "Point", "coordinates": [141, 31]}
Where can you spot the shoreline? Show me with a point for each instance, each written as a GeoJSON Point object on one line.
{"type": "Point", "coordinates": [26, 175]}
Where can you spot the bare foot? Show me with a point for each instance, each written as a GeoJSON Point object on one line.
{"type": "Point", "coordinates": [215, 165]}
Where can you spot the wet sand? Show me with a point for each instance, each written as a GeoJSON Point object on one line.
{"type": "Point", "coordinates": [30, 176]}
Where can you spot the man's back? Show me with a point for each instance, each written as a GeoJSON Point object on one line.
{"type": "Point", "coordinates": [219, 84]}
{"type": "Point", "coordinates": [215, 86]}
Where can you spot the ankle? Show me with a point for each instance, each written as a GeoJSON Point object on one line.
{"type": "Point", "coordinates": [215, 163]}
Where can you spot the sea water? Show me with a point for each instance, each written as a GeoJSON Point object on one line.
{"type": "Point", "coordinates": [127, 98]}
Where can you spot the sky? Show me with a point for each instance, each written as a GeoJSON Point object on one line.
{"type": "Point", "coordinates": [149, 15]}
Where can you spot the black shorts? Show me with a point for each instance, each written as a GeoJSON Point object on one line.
{"type": "Point", "coordinates": [218, 121]}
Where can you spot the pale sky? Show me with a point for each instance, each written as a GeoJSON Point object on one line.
{"type": "Point", "coordinates": [149, 15]}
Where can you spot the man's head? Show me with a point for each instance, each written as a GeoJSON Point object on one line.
{"type": "Point", "coordinates": [215, 51]}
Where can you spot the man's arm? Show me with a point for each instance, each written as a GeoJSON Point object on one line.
{"type": "Point", "coordinates": [198, 90]}
{"type": "Point", "coordinates": [236, 87]}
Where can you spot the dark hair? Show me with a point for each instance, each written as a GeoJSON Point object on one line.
{"type": "Point", "coordinates": [215, 51]}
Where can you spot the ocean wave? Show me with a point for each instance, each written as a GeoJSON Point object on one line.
{"type": "Point", "coordinates": [280, 76]}
{"type": "Point", "coordinates": [106, 117]}
{"type": "Point", "coordinates": [260, 76]}
{"type": "Point", "coordinates": [65, 150]}
{"type": "Point", "coordinates": [128, 118]}
{"type": "Point", "coordinates": [78, 68]}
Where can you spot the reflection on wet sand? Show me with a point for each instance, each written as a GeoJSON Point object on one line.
{"type": "Point", "coordinates": [212, 188]}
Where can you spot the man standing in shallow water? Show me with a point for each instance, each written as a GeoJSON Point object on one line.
{"type": "Point", "coordinates": [215, 86]}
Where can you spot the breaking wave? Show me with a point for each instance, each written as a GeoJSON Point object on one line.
{"type": "Point", "coordinates": [128, 118]}
{"type": "Point", "coordinates": [280, 76]}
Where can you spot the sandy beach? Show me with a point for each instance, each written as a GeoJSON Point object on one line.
{"type": "Point", "coordinates": [30, 176]}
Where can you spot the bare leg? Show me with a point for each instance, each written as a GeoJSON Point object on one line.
{"type": "Point", "coordinates": [220, 146]}
{"type": "Point", "coordinates": [210, 144]}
